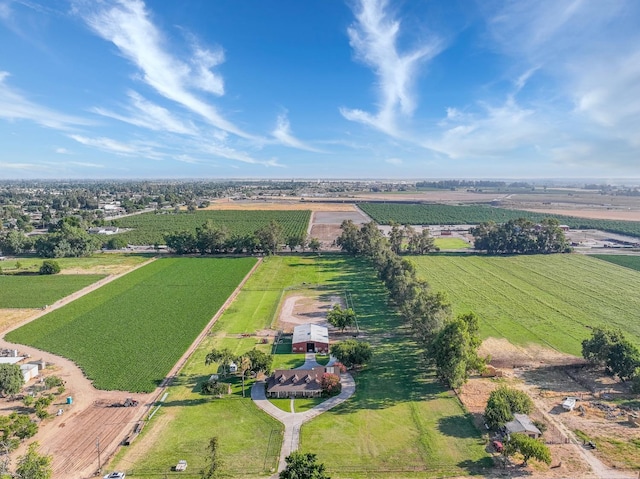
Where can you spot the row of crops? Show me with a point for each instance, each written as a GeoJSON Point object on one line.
{"type": "Point", "coordinates": [36, 291]}
{"type": "Point", "coordinates": [150, 228]}
{"type": "Point", "coordinates": [128, 334]}
{"type": "Point", "coordinates": [553, 300]}
{"type": "Point", "coordinates": [436, 214]}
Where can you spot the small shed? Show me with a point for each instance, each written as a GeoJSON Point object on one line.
{"type": "Point", "coordinates": [310, 338]}
{"type": "Point", "coordinates": [29, 371]}
{"type": "Point", "coordinates": [522, 424]}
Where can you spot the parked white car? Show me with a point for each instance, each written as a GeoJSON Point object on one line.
{"type": "Point", "coordinates": [115, 475]}
{"type": "Point", "coordinates": [569, 403]}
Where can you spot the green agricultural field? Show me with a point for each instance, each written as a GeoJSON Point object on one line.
{"type": "Point", "coordinates": [451, 243]}
{"type": "Point", "coordinates": [437, 214]}
{"type": "Point", "coordinates": [400, 420]}
{"type": "Point", "coordinates": [98, 263]}
{"type": "Point", "coordinates": [627, 261]}
{"type": "Point", "coordinates": [150, 228]}
{"type": "Point", "coordinates": [552, 300]}
{"type": "Point", "coordinates": [36, 291]}
{"type": "Point", "coordinates": [128, 334]}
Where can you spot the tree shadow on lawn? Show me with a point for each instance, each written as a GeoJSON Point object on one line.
{"type": "Point", "coordinates": [188, 402]}
{"type": "Point", "coordinates": [478, 467]}
{"type": "Point", "coordinates": [458, 426]}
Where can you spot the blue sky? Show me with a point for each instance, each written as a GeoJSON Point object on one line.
{"type": "Point", "coordinates": [319, 89]}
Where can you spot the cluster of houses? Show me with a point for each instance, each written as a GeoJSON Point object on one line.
{"type": "Point", "coordinates": [284, 383]}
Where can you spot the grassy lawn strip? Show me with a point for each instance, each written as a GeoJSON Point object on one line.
{"type": "Point", "coordinates": [128, 334]}
{"type": "Point", "coordinates": [99, 263]}
{"type": "Point", "coordinates": [451, 243]}
{"type": "Point", "coordinates": [18, 291]}
{"type": "Point", "coordinates": [553, 300]}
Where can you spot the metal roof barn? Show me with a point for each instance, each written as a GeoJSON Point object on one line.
{"type": "Point", "coordinates": [310, 338]}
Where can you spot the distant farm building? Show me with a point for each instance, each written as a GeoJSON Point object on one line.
{"type": "Point", "coordinates": [284, 383]}
{"type": "Point", "coordinates": [29, 371]}
{"type": "Point", "coordinates": [522, 424]}
{"type": "Point", "coordinates": [310, 338]}
{"type": "Point", "coordinates": [103, 230]}
{"type": "Point", "coordinates": [564, 227]}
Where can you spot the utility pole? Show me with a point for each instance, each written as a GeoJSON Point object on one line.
{"type": "Point", "coordinates": [98, 448]}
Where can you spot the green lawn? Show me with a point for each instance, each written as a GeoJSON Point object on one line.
{"type": "Point", "coordinates": [128, 334]}
{"type": "Point", "coordinates": [627, 261]}
{"type": "Point", "coordinates": [400, 420]}
{"type": "Point", "coordinates": [101, 263]}
{"type": "Point", "coordinates": [36, 291]}
{"type": "Point", "coordinates": [552, 300]}
{"type": "Point", "coordinates": [451, 243]}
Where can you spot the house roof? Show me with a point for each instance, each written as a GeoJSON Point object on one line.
{"type": "Point", "coordinates": [521, 423]}
{"type": "Point", "coordinates": [290, 380]}
{"type": "Point", "coordinates": [310, 333]}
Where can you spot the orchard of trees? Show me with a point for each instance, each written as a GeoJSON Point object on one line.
{"type": "Point", "coordinates": [521, 236]}
{"type": "Point", "coordinates": [427, 312]}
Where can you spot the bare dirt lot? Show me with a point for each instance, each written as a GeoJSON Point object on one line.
{"type": "Point", "coordinates": [548, 377]}
{"type": "Point", "coordinates": [310, 307]}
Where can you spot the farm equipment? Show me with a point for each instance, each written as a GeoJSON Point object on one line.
{"type": "Point", "coordinates": [129, 402]}
{"type": "Point", "coordinates": [181, 466]}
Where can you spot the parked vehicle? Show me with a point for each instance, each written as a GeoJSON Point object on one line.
{"type": "Point", "coordinates": [115, 475]}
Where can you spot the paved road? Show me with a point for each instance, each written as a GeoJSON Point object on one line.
{"type": "Point", "coordinates": [293, 421]}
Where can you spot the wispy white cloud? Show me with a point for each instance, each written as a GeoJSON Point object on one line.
{"type": "Point", "coordinates": [62, 151]}
{"type": "Point", "coordinates": [15, 106]}
{"type": "Point", "coordinates": [128, 25]}
{"type": "Point", "coordinates": [146, 114]}
{"type": "Point", "coordinates": [20, 166]}
{"type": "Point", "coordinates": [5, 11]}
{"type": "Point", "coordinates": [85, 164]}
{"type": "Point", "coordinates": [107, 144]}
{"type": "Point", "coordinates": [374, 38]}
{"type": "Point", "coordinates": [394, 161]}
{"type": "Point", "coordinates": [590, 58]}
{"type": "Point", "coordinates": [492, 133]}
{"type": "Point", "coordinates": [284, 135]}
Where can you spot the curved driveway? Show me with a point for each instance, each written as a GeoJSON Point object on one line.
{"type": "Point", "coordinates": [293, 421]}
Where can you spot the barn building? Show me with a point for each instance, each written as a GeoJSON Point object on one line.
{"type": "Point", "coordinates": [310, 338]}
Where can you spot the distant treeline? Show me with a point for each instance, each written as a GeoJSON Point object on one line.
{"type": "Point", "coordinates": [448, 184]}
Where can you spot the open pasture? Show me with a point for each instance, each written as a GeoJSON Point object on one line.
{"type": "Point", "coordinates": [438, 214]}
{"type": "Point", "coordinates": [150, 228]}
{"type": "Point", "coordinates": [36, 291]}
{"type": "Point", "coordinates": [128, 334]}
{"type": "Point", "coordinates": [400, 422]}
{"type": "Point", "coordinates": [628, 261]}
{"type": "Point", "coordinates": [551, 300]}
{"type": "Point", "coordinates": [451, 243]}
{"type": "Point", "coordinates": [97, 263]}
